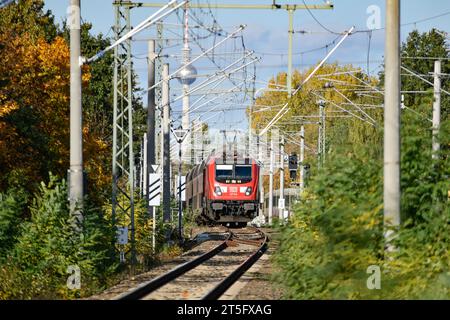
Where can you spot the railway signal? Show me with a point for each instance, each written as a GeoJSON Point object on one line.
{"type": "Point", "coordinates": [293, 166]}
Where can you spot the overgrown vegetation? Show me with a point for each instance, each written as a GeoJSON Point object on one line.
{"type": "Point", "coordinates": [336, 232]}
{"type": "Point", "coordinates": [37, 237]}
{"type": "Point", "coordinates": [47, 244]}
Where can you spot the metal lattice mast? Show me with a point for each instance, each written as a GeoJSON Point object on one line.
{"type": "Point", "coordinates": [158, 93]}
{"type": "Point", "coordinates": [290, 8]}
{"type": "Point", "coordinates": [123, 158]}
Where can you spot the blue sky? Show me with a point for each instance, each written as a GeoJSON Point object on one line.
{"type": "Point", "coordinates": [266, 30]}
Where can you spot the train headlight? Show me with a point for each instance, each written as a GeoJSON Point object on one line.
{"type": "Point", "coordinates": [218, 191]}
{"type": "Point", "coordinates": [248, 191]}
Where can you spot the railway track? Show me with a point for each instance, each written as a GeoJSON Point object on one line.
{"type": "Point", "coordinates": [209, 275]}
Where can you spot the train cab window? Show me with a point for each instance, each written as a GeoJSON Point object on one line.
{"type": "Point", "coordinates": [242, 172]}
{"type": "Point", "coordinates": [224, 172]}
{"type": "Point", "coordinates": [229, 173]}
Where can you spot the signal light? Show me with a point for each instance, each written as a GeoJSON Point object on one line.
{"type": "Point", "coordinates": [293, 166]}
{"type": "Point", "coordinates": [293, 174]}
{"type": "Point", "coordinates": [293, 162]}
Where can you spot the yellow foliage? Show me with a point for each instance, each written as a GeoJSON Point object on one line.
{"type": "Point", "coordinates": [304, 103]}
{"type": "Point", "coordinates": [37, 88]}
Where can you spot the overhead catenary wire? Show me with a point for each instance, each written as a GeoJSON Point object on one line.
{"type": "Point", "coordinates": [283, 110]}
{"type": "Point", "coordinates": [143, 25]}
{"type": "Point", "coordinates": [171, 76]}
{"type": "Point", "coordinates": [374, 29]}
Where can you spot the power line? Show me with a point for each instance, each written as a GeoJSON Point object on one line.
{"type": "Point", "coordinates": [375, 29]}
{"type": "Point", "coordinates": [318, 22]}
{"type": "Point", "coordinates": [368, 52]}
{"type": "Point", "coordinates": [301, 52]}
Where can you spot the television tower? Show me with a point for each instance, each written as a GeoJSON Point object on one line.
{"type": "Point", "coordinates": [186, 76]}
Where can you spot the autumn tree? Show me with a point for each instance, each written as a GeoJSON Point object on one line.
{"type": "Point", "coordinates": [337, 229]}
{"type": "Point", "coordinates": [28, 16]}
{"type": "Point", "coordinates": [34, 103]}
{"type": "Point", "coordinates": [346, 123]}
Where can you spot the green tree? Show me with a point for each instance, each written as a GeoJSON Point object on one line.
{"type": "Point", "coordinates": [351, 130]}
{"type": "Point", "coordinates": [12, 204]}
{"type": "Point", "coordinates": [337, 229]}
{"type": "Point", "coordinates": [28, 16]}
{"type": "Point", "coordinates": [417, 55]}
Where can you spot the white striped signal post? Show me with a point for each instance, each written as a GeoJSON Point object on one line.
{"type": "Point", "coordinates": [154, 198]}
{"type": "Point", "coordinates": [154, 187]}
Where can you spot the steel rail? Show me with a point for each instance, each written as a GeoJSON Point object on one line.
{"type": "Point", "coordinates": [154, 284]}
{"type": "Point", "coordinates": [225, 284]}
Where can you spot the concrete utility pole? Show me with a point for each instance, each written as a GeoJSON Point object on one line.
{"type": "Point", "coordinates": [290, 37]}
{"type": "Point", "coordinates": [186, 123]}
{"type": "Point", "coordinates": [250, 111]}
{"type": "Point", "coordinates": [145, 169]}
{"type": "Point", "coordinates": [320, 150]}
{"type": "Point", "coordinates": [281, 212]}
{"type": "Point", "coordinates": [271, 182]}
{"type": "Point", "coordinates": [392, 118]}
{"type": "Point", "coordinates": [436, 108]}
{"type": "Point", "coordinates": [166, 143]}
{"type": "Point", "coordinates": [323, 127]}
{"type": "Point", "coordinates": [302, 158]}
{"type": "Point", "coordinates": [76, 188]}
{"type": "Point", "coordinates": [324, 134]}
{"type": "Point", "coordinates": [260, 177]}
{"type": "Point", "coordinates": [150, 143]}
{"type": "Point", "coordinates": [141, 169]}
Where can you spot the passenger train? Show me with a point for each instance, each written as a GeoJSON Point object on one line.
{"type": "Point", "coordinates": [224, 190]}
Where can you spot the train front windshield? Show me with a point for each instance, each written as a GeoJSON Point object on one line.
{"type": "Point", "coordinates": [228, 172]}
{"type": "Point", "coordinates": [242, 172]}
{"type": "Point", "coordinates": [224, 172]}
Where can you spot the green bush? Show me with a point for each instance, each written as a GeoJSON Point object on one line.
{"type": "Point", "coordinates": [12, 206]}
{"type": "Point", "coordinates": [49, 243]}
{"type": "Point", "coordinates": [336, 232]}
{"type": "Point", "coordinates": [143, 223]}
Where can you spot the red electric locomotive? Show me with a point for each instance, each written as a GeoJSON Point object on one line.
{"type": "Point", "coordinates": [224, 190]}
